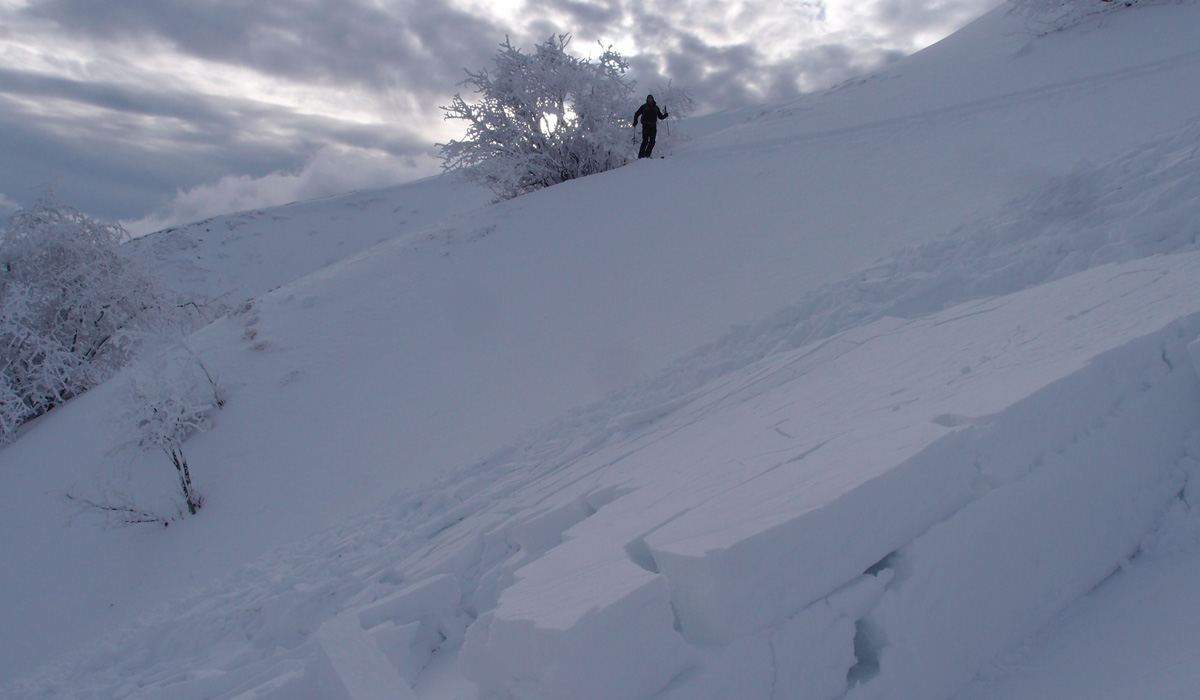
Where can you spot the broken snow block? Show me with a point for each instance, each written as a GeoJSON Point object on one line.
{"type": "Point", "coordinates": [816, 654]}
{"type": "Point", "coordinates": [543, 531]}
{"type": "Point", "coordinates": [409, 647]}
{"type": "Point", "coordinates": [770, 548]}
{"type": "Point", "coordinates": [413, 623]}
{"type": "Point", "coordinates": [604, 633]}
{"type": "Point", "coordinates": [289, 684]}
{"type": "Point", "coordinates": [1033, 546]}
{"type": "Point", "coordinates": [744, 670]}
{"type": "Point", "coordinates": [354, 666]}
{"type": "Point", "coordinates": [437, 597]}
{"type": "Point", "coordinates": [812, 655]}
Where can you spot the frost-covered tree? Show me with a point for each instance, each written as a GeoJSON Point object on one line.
{"type": "Point", "coordinates": [73, 306]}
{"type": "Point", "coordinates": [542, 118]}
{"type": "Point", "coordinates": [168, 395]}
{"type": "Point", "coordinates": [173, 396]}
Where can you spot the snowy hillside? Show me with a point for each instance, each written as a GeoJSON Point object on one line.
{"type": "Point", "coordinates": [846, 400]}
{"type": "Point", "coordinates": [224, 262]}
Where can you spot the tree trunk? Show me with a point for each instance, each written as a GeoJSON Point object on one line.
{"type": "Point", "coordinates": [193, 499]}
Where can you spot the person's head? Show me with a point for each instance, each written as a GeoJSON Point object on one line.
{"type": "Point", "coordinates": [649, 99]}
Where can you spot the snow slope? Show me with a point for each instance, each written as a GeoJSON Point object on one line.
{"type": "Point", "coordinates": [223, 262]}
{"type": "Point", "coordinates": [973, 400]}
{"type": "Point", "coordinates": [1133, 637]}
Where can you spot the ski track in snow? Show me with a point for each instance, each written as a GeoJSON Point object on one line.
{"type": "Point", "coordinates": [419, 570]}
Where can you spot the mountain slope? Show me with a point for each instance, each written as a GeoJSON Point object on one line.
{"type": "Point", "coordinates": [393, 370]}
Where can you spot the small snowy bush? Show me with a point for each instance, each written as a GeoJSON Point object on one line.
{"type": "Point", "coordinates": [168, 396]}
{"type": "Point", "coordinates": [679, 102]}
{"type": "Point", "coordinates": [173, 396]}
{"type": "Point", "coordinates": [542, 118]}
{"type": "Point", "coordinates": [72, 309]}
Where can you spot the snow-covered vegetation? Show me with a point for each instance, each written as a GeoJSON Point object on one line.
{"type": "Point", "coordinates": [173, 395]}
{"type": "Point", "coordinates": [73, 306]}
{"type": "Point", "coordinates": [892, 392]}
{"type": "Point", "coordinates": [542, 118]}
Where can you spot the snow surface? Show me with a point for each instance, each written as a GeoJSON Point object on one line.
{"type": "Point", "coordinates": [953, 389]}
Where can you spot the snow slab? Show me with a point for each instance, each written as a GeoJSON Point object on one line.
{"type": "Point", "coordinates": [1041, 427]}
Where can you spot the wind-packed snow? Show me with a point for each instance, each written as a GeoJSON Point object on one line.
{"type": "Point", "coordinates": [849, 399]}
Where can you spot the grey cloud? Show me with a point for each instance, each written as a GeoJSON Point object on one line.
{"type": "Point", "coordinates": [136, 148]}
{"type": "Point", "coordinates": [742, 74]}
{"type": "Point", "coordinates": [110, 97]}
{"type": "Point", "coordinates": [602, 13]}
{"type": "Point", "coordinates": [719, 76]}
{"type": "Point", "coordinates": [118, 150]}
{"type": "Point", "coordinates": [130, 114]}
{"type": "Point", "coordinates": [589, 21]}
{"type": "Point", "coordinates": [403, 45]}
{"type": "Point", "coordinates": [90, 172]}
{"type": "Point", "coordinates": [903, 17]}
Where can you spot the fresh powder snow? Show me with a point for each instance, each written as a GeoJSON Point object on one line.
{"type": "Point", "coordinates": [890, 392]}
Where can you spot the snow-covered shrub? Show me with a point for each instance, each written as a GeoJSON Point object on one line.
{"type": "Point", "coordinates": [542, 118]}
{"type": "Point", "coordinates": [72, 308]}
{"type": "Point", "coordinates": [173, 396]}
{"type": "Point", "coordinates": [679, 102]}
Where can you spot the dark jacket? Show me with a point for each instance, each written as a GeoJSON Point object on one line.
{"type": "Point", "coordinates": [650, 114]}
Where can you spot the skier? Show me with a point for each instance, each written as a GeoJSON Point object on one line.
{"type": "Point", "coordinates": [650, 114]}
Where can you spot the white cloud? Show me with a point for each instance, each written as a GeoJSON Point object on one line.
{"type": "Point", "coordinates": [333, 170]}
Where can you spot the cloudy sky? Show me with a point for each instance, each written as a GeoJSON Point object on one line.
{"type": "Point", "coordinates": [157, 112]}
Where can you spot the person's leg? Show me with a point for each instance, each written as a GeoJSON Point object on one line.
{"type": "Point", "coordinates": [649, 138]}
{"type": "Point", "coordinates": [646, 138]}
